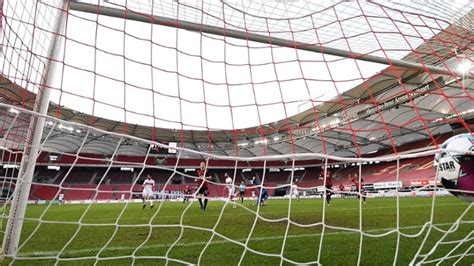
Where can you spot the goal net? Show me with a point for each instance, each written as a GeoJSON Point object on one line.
{"type": "Point", "coordinates": [328, 117]}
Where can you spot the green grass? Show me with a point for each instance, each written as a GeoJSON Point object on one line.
{"type": "Point", "coordinates": [131, 235]}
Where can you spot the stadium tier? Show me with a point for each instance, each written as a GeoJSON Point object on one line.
{"type": "Point", "coordinates": [412, 173]}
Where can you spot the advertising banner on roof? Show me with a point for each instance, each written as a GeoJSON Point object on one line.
{"type": "Point", "coordinates": [382, 106]}
{"type": "Point", "coordinates": [405, 97]}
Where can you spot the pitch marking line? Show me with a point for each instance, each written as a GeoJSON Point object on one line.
{"type": "Point", "coordinates": [198, 243]}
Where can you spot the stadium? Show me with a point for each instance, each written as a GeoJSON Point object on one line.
{"type": "Point", "coordinates": [232, 132]}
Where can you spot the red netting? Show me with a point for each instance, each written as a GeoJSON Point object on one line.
{"type": "Point", "coordinates": [267, 90]}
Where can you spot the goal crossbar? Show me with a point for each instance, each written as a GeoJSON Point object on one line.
{"type": "Point", "coordinates": [243, 35]}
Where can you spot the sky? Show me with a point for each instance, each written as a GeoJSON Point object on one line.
{"type": "Point", "coordinates": [160, 76]}
{"type": "Point", "coordinates": [158, 89]}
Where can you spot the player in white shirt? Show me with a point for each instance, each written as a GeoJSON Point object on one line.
{"type": "Point", "coordinates": [61, 198]}
{"type": "Point", "coordinates": [230, 188]}
{"type": "Point", "coordinates": [148, 186]}
{"type": "Point", "coordinates": [294, 191]}
{"type": "Point", "coordinates": [252, 196]}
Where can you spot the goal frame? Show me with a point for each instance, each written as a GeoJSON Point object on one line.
{"type": "Point", "coordinates": [186, 25]}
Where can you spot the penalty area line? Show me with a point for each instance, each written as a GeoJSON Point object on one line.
{"type": "Point", "coordinates": [198, 243]}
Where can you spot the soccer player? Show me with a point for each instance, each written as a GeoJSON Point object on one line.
{"type": "Point", "coordinates": [294, 191]}
{"type": "Point", "coordinates": [351, 179]}
{"type": "Point", "coordinates": [230, 188]}
{"type": "Point", "coordinates": [263, 196]}
{"type": "Point", "coordinates": [359, 186]}
{"type": "Point", "coordinates": [328, 187]}
{"type": "Point", "coordinates": [253, 188]}
{"type": "Point", "coordinates": [242, 189]}
{"type": "Point", "coordinates": [147, 193]}
{"type": "Point", "coordinates": [321, 176]}
{"type": "Point", "coordinates": [362, 190]}
{"type": "Point", "coordinates": [61, 198]}
{"type": "Point", "coordinates": [186, 193]}
{"type": "Point", "coordinates": [202, 185]}
{"type": "Point", "coordinates": [341, 189]}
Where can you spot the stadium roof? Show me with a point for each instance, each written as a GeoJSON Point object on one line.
{"type": "Point", "coordinates": [338, 138]}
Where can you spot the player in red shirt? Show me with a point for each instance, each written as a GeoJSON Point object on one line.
{"type": "Point", "coordinates": [328, 187]}
{"type": "Point", "coordinates": [359, 187]}
{"type": "Point", "coordinates": [341, 189]}
{"type": "Point", "coordinates": [321, 176]}
{"type": "Point", "coordinates": [202, 185]}
{"type": "Point", "coordinates": [186, 193]}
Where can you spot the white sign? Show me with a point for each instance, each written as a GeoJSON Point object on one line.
{"type": "Point", "coordinates": [391, 184]}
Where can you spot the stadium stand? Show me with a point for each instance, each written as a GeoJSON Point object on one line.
{"type": "Point", "coordinates": [78, 183]}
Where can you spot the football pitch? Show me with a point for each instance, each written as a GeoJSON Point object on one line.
{"type": "Point", "coordinates": [218, 236]}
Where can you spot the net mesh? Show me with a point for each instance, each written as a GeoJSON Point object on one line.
{"type": "Point", "coordinates": [156, 97]}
